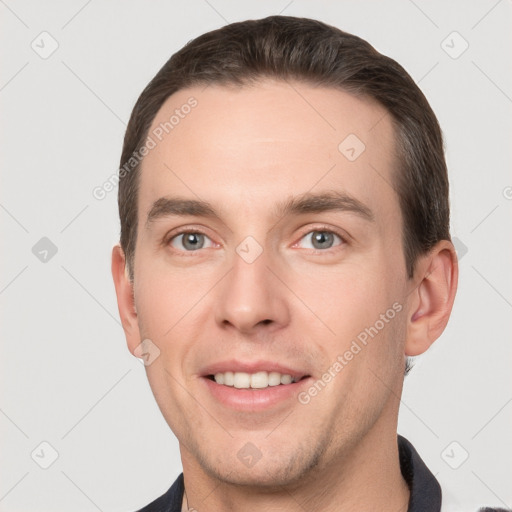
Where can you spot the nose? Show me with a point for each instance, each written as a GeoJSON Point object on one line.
{"type": "Point", "coordinates": [252, 298]}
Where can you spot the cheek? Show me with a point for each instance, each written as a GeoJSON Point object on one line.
{"type": "Point", "coordinates": [168, 387]}
{"type": "Point", "coordinates": [347, 299]}
{"type": "Point", "coordinates": [361, 325]}
{"type": "Point", "coordinates": [167, 297]}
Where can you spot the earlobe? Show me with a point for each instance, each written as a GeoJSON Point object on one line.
{"type": "Point", "coordinates": [125, 298]}
{"type": "Point", "coordinates": [432, 299]}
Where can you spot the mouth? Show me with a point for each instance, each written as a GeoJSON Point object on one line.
{"type": "Point", "coordinates": [254, 386]}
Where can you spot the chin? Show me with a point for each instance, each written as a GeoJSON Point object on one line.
{"type": "Point", "coordinates": [272, 471]}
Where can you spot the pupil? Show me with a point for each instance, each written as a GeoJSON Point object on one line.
{"type": "Point", "coordinates": [321, 239]}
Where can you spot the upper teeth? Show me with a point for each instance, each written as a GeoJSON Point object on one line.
{"type": "Point", "coordinates": [256, 380]}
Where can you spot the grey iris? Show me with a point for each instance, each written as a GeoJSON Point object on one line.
{"type": "Point", "coordinates": [322, 239]}
{"type": "Point", "coordinates": [193, 241]}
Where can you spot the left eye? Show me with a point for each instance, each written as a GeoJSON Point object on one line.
{"type": "Point", "coordinates": [321, 240]}
{"type": "Point", "coordinates": [190, 241]}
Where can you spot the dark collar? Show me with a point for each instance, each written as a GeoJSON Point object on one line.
{"type": "Point", "coordinates": [425, 489]}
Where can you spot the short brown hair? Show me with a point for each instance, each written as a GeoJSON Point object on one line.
{"type": "Point", "coordinates": [284, 47]}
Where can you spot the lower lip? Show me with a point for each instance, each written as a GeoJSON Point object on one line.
{"type": "Point", "coordinates": [254, 399]}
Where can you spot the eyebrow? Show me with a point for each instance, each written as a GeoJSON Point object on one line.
{"type": "Point", "coordinates": [324, 202]}
{"type": "Point", "coordinates": [299, 205]}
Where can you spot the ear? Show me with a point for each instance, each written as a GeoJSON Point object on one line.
{"type": "Point", "coordinates": [432, 299]}
{"type": "Point", "coordinates": [125, 299]}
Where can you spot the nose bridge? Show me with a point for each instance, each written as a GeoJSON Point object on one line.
{"type": "Point", "coordinates": [251, 295]}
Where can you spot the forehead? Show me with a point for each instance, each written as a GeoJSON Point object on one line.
{"type": "Point", "coordinates": [248, 146]}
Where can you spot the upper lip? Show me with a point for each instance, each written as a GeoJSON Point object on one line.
{"type": "Point", "coordinates": [234, 365]}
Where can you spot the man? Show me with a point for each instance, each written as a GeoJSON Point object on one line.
{"type": "Point", "coordinates": [284, 248]}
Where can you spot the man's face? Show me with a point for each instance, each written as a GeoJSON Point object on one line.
{"type": "Point", "coordinates": [264, 288]}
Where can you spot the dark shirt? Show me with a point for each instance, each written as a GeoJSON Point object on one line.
{"type": "Point", "coordinates": [425, 491]}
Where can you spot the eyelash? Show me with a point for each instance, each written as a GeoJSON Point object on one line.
{"type": "Point", "coordinates": [322, 229]}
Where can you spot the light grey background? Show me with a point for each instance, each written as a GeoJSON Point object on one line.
{"type": "Point", "coordinates": [67, 378]}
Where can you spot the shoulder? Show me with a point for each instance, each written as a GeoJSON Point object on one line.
{"type": "Point", "coordinates": [492, 509]}
{"type": "Point", "coordinates": [170, 501]}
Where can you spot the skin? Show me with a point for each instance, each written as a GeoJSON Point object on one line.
{"type": "Point", "coordinates": [245, 150]}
